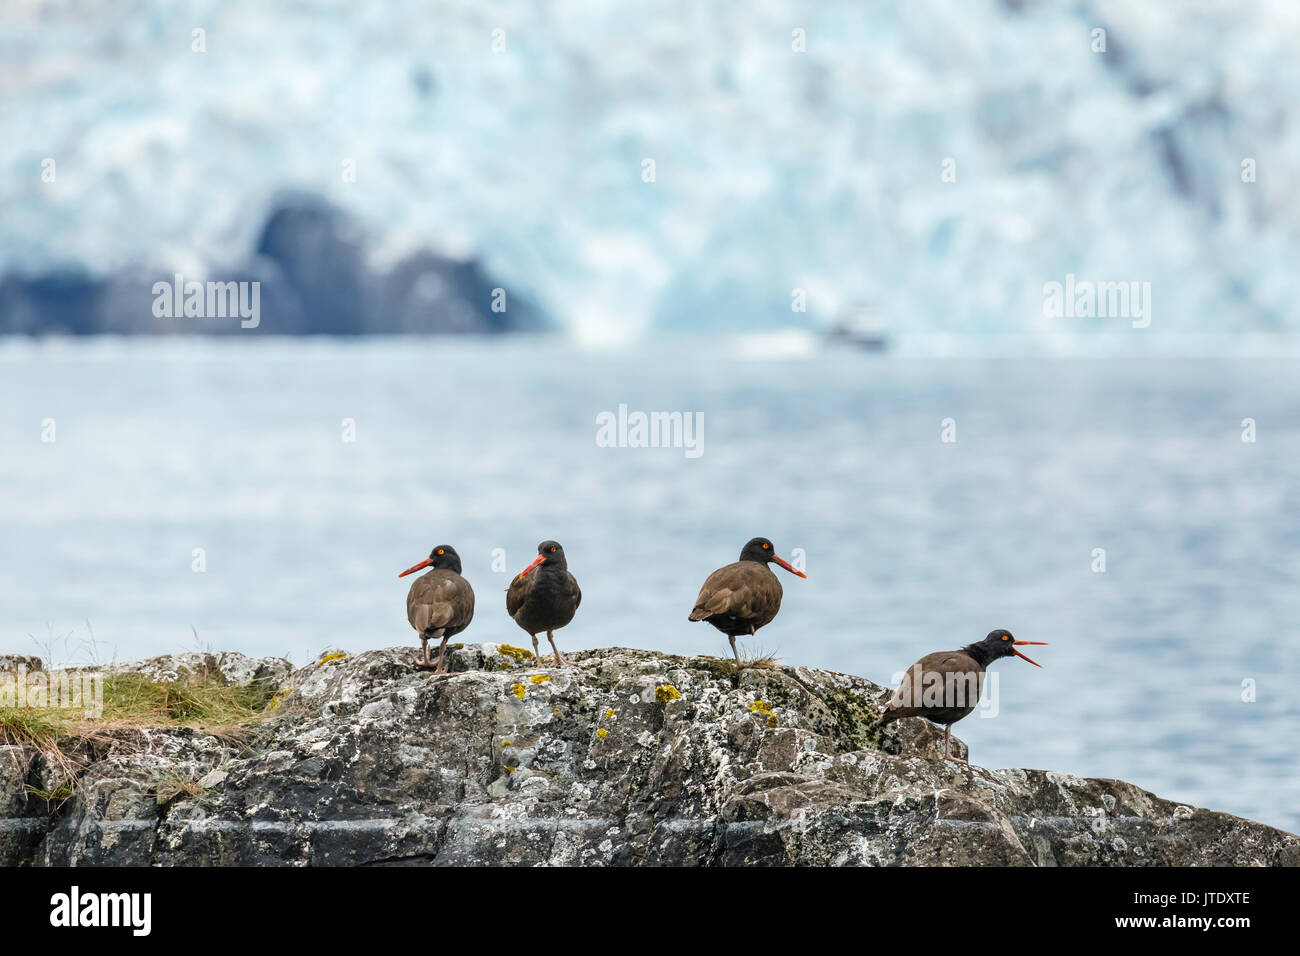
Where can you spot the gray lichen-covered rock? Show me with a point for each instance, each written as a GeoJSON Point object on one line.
{"type": "Point", "coordinates": [629, 757]}
{"type": "Point", "coordinates": [232, 666]}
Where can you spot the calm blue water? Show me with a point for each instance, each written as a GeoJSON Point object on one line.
{"type": "Point", "coordinates": [911, 544]}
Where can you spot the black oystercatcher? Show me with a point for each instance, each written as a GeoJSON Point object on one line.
{"type": "Point", "coordinates": [544, 599]}
{"type": "Point", "coordinates": [945, 686]}
{"type": "Point", "coordinates": [440, 603]}
{"type": "Point", "coordinates": [742, 597]}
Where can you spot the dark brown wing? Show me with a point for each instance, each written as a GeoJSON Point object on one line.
{"type": "Point", "coordinates": [943, 686]}
{"type": "Point", "coordinates": [518, 593]}
{"type": "Point", "coordinates": [575, 591]}
{"type": "Point", "coordinates": [742, 590]}
{"type": "Point", "coordinates": [440, 599]}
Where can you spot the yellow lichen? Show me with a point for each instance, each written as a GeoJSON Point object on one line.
{"type": "Point", "coordinates": [764, 708]}
{"type": "Point", "coordinates": [666, 692]}
{"type": "Point", "coordinates": [518, 653]}
{"type": "Point", "coordinates": [602, 733]}
{"type": "Point", "coordinates": [511, 769]}
{"type": "Point", "coordinates": [518, 691]}
{"type": "Point", "coordinates": [336, 656]}
{"type": "Point", "coordinates": [505, 743]}
{"type": "Point", "coordinates": [539, 678]}
{"type": "Point", "coordinates": [610, 712]}
{"type": "Point", "coordinates": [279, 697]}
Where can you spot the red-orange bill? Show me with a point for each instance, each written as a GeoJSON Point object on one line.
{"type": "Point", "coordinates": [416, 567]}
{"type": "Point", "coordinates": [1022, 656]}
{"type": "Point", "coordinates": [536, 561]}
{"type": "Point", "coordinates": [788, 566]}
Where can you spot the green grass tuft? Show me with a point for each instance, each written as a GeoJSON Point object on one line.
{"type": "Point", "coordinates": [134, 701]}
{"type": "Point", "coordinates": [28, 727]}
{"type": "Point", "coordinates": [196, 701]}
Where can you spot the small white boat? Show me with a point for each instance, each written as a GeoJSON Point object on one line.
{"type": "Point", "coordinates": [860, 326]}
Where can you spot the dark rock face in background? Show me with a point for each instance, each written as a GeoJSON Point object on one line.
{"type": "Point", "coordinates": [628, 758]}
{"type": "Point", "coordinates": [313, 265]}
{"type": "Point", "coordinates": [320, 256]}
{"type": "Point", "coordinates": [63, 302]}
{"type": "Point", "coordinates": [425, 280]}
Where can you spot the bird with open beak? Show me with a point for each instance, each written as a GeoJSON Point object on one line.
{"type": "Point", "coordinates": [544, 596]}
{"type": "Point", "coordinates": [743, 596]}
{"type": "Point", "coordinates": [946, 686]}
{"type": "Point", "coordinates": [439, 604]}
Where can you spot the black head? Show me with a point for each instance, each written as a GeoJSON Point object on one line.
{"type": "Point", "coordinates": [762, 550]}
{"type": "Point", "coordinates": [550, 554]}
{"type": "Point", "coordinates": [443, 557]}
{"type": "Point", "coordinates": [1000, 643]}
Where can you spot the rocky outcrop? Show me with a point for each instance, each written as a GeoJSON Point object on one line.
{"type": "Point", "coordinates": [627, 758]}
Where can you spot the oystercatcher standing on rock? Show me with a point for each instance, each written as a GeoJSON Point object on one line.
{"type": "Point", "coordinates": [945, 686]}
{"type": "Point", "coordinates": [439, 604]}
{"type": "Point", "coordinates": [544, 596]}
{"type": "Point", "coordinates": [741, 597]}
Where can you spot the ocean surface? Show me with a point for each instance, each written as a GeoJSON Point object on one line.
{"type": "Point", "coordinates": [911, 543]}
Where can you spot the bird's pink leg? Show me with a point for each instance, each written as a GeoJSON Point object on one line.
{"type": "Point", "coordinates": [947, 746]}
{"type": "Point", "coordinates": [559, 660]}
{"type": "Point", "coordinates": [425, 661]}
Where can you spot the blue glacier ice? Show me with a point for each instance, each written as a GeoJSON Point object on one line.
{"type": "Point", "coordinates": [517, 133]}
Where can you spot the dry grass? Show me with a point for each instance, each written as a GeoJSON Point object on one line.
{"type": "Point", "coordinates": [134, 701]}
{"type": "Point", "coordinates": [200, 701]}
{"type": "Point", "coordinates": [761, 662]}
{"type": "Point", "coordinates": [28, 727]}
{"type": "Point", "coordinates": [757, 658]}
{"type": "Point", "coordinates": [168, 789]}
